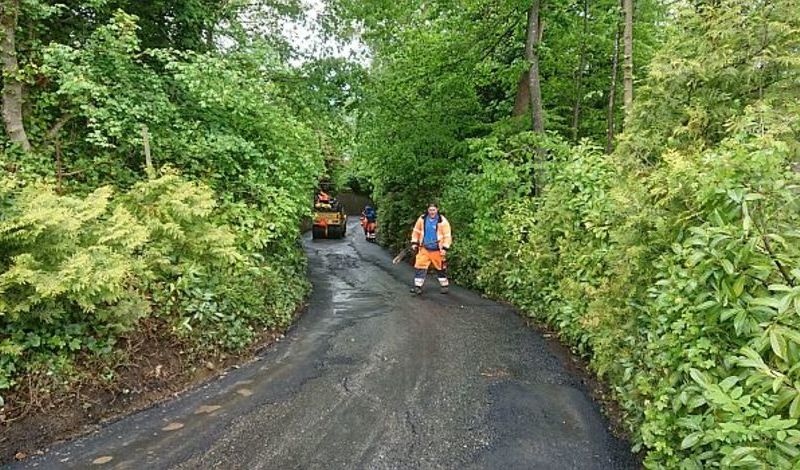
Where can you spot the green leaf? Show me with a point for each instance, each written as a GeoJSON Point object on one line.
{"type": "Point", "coordinates": [728, 313]}
{"type": "Point", "coordinates": [767, 302]}
{"type": "Point", "coordinates": [706, 305]}
{"type": "Point", "coordinates": [780, 288]}
{"type": "Point", "coordinates": [699, 377]}
{"type": "Point", "coordinates": [747, 223]}
{"type": "Point", "coordinates": [740, 321]}
{"type": "Point", "coordinates": [778, 344]}
{"type": "Point", "coordinates": [738, 454]}
{"type": "Point", "coordinates": [727, 266]}
{"type": "Point", "coordinates": [695, 402]}
{"type": "Point", "coordinates": [794, 408]}
{"type": "Point", "coordinates": [691, 440]}
{"type": "Point", "coordinates": [729, 382]}
{"type": "Point", "coordinates": [789, 333]}
{"type": "Point", "coordinates": [788, 449]}
{"type": "Point", "coordinates": [738, 286]}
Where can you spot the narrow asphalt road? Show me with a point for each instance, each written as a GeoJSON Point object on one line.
{"type": "Point", "coordinates": [373, 377]}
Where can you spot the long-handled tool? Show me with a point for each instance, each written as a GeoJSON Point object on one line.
{"type": "Point", "coordinates": [402, 255]}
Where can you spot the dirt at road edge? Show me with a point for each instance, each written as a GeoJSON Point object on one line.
{"type": "Point", "coordinates": [156, 367]}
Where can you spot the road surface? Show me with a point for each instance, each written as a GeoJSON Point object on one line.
{"type": "Point", "coordinates": [373, 377]}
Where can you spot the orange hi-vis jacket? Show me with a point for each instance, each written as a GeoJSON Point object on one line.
{"type": "Point", "coordinates": [443, 232]}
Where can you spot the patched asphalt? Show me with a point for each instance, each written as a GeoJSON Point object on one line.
{"type": "Point", "coordinates": [373, 377]}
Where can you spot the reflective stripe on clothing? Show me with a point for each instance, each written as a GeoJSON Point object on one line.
{"type": "Point", "coordinates": [423, 261]}
{"type": "Point", "coordinates": [419, 279]}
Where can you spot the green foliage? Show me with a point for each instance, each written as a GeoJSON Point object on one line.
{"type": "Point", "coordinates": [179, 24]}
{"type": "Point", "coordinates": [674, 264]}
{"type": "Point", "coordinates": [69, 276]}
{"type": "Point", "coordinates": [447, 73]}
{"type": "Point", "coordinates": [680, 283]}
{"type": "Point", "coordinates": [80, 272]}
{"type": "Point", "coordinates": [720, 59]}
{"type": "Point", "coordinates": [92, 243]}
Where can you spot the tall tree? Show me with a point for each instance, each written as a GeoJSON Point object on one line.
{"type": "Point", "coordinates": [576, 110]}
{"type": "Point", "coordinates": [534, 37]}
{"type": "Point", "coordinates": [12, 86]}
{"type": "Point", "coordinates": [627, 65]}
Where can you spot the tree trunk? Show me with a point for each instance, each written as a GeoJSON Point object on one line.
{"type": "Point", "coordinates": [12, 87]}
{"type": "Point", "coordinates": [532, 54]}
{"type": "Point", "coordinates": [534, 37]}
{"type": "Point", "coordinates": [210, 38]}
{"type": "Point", "coordinates": [627, 66]}
{"type": "Point", "coordinates": [576, 112]}
{"type": "Point", "coordinates": [612, 93]}
{"type": "Point", "coordinates": [523, 100]}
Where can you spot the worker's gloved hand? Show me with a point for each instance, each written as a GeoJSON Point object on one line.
{"type": "Point", "coordinates": [415, 247]}
{"type": "Point", "coordinates": [443, 251]}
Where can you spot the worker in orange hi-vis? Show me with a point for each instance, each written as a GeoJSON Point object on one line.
{"type": "Point", "coordinates": [323, 197]}
{"type": "Point", "coordinates": [430, 240]}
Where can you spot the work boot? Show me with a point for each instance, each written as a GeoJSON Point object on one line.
{"type": "Point", "coordinates": [444, 290]}
{"type": "Point", "coordinates": [416, 290]}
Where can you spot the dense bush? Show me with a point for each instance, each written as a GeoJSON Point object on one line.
{"type": "Point", "coordinates": [78, 272]}
{"type": "Point", "coordinates": [92, 242]}
{"type": "Point", "coordinates": [680, 284]}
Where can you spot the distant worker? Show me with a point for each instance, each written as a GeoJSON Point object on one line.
{"type": "Point", "coordinates": [323, 197]}
{"type": "Point", "coordinates": [430, 240]}
{"type": "Point", "coordinates": [369, 221]}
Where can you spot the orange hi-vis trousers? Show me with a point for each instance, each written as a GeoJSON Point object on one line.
{"type": "Point", "coordinates": [424, 260]}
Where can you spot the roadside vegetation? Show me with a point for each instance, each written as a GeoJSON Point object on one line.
{"type": "Point", "coordinates": [158, 158]}
{"type": "Point", "coordinates": [630, 179]}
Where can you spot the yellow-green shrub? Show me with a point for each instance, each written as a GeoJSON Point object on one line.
{"type": "Point", "coordinates": [78, 272]}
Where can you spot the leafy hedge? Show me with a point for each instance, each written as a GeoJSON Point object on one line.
{"type": "Point", "coordinates": [79, 272]}
{"type": "Point", "coordinates": [681, 284]}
